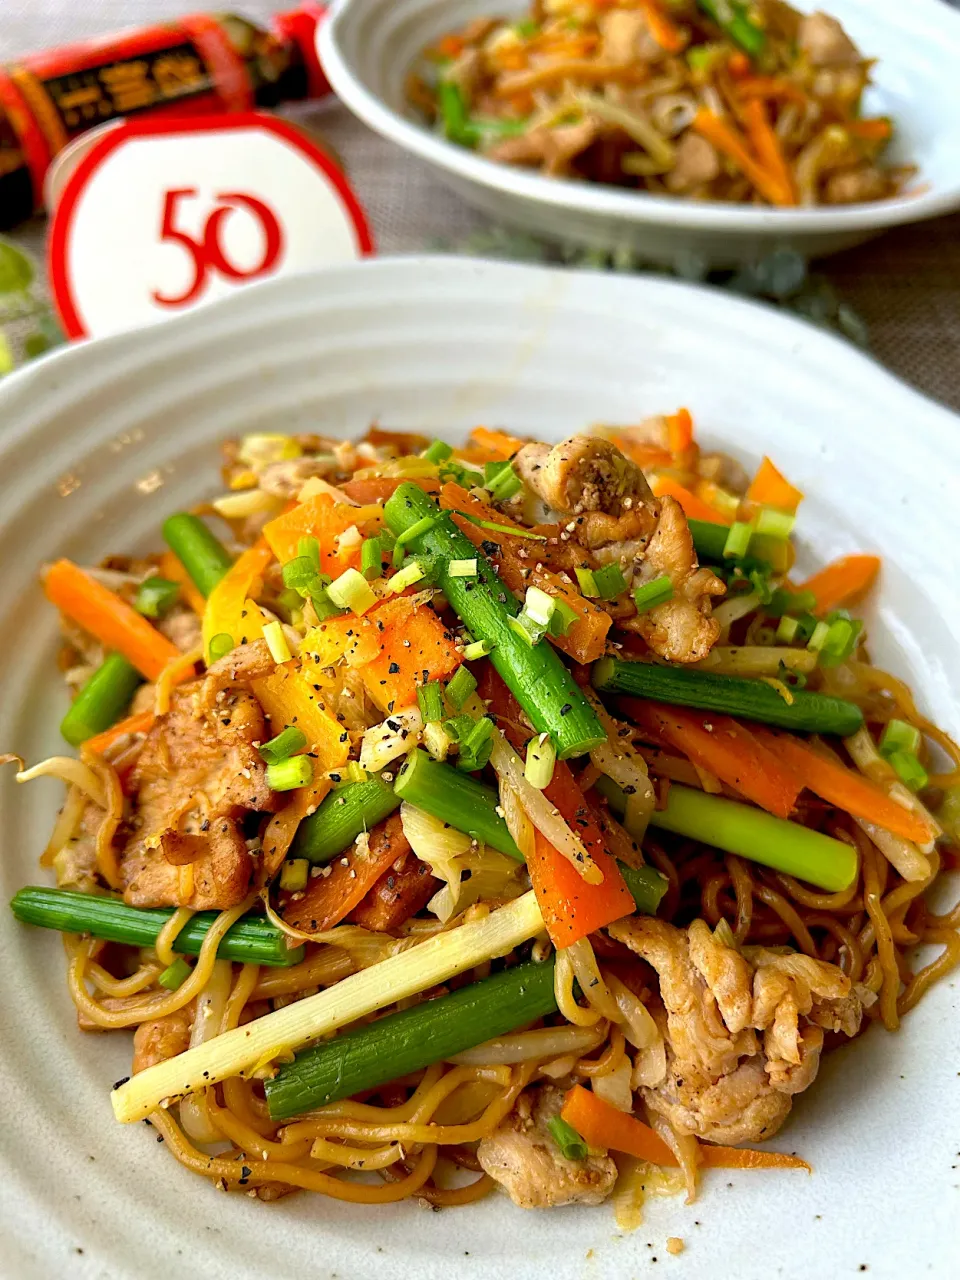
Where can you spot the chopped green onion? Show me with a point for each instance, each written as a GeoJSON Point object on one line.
{"type": "Point", "coordinates": [436, 740]}
{"type": "Point", "coordinates": [477, 649]}
{"type": "Point", "coordinates": [371, 558]}
{"type": "Point", "coordinates": [290, 605]}
{"type": "Point", "coordinates": [309, 549]}
{"type": "Point", "coordinates": [289, 774]}
{"type": "Point", "coordinates": [476, 745]}
{"type": "Point", "coordinates": [299, 574]}
{"type": "Point", "coordinates": [460, 686]}
{"type": "Point", "coordinates": [102, 700]}
{"type": "Point", "coordinates": [430, 702]}
{"type": "Point", "coordinates": [540, 760]}
{"type": "Point", "coordinates": [659, 591]}
{"type": "Point", "coordinates": [175, 975]}
{"type": "Point", "coordinates": [458, 727]}
{"type": "Point", "coordinates": [526, 27]}
{"type": "Point", "coordinates": [323, 605]}
{"type": "Point", "coordinates": [406, 577]}
{"type": "Point", "coordinates": [909, 769]}
{"type": "Point", "coordinates": [778, 524]}
{"type": "Point", "coordinates": [467, 804]}
{"type": "Point", "coordinates": [588, 583]}
{"type": "Point", "coordinates": [841, 641]}
{"type": "Point", "coordinates": [502, 481]}
{"type": "Point", "coordinates": [348, 774]}
{"type": "Point", "coordinates": [733, 19]}
{"type": "Point", "coordinates": [294, 875]}
{"type": "Point", "coordinates": [787, 629]}
{"type": "Point", "coordinates": [424, 525]}
{"type": "Point", "coordinates": [276, 642]}
{"type": "Point", "coordinates": [352, 591]}
{"type": "Point", "coordinates": [819, 637]}
{"type": "Point", "coordinates": [437, 451]}
{"type": "Point", "coordinates": [514, 531]}
{"type": "Point", "coordinates": [220, 645]}
{"type": "Point", "coordinates": [341, 817]}
{"type": "Point", "coordinates": [898, 735]}
{"type": "Point", "coordinates": [572, 1146]}
{"type": "Point", "coordinates": [253, 939]}
{"type": "Point", "coordinates": [453, 113]}
{"type": "Point", "coordinates": [562, 618]}
{"type": "Point", "coordinates": [464, 476]}
{"type": "Point", "coordinates": [283, 745]}
{"type": "Point", "coordinates": [462, 568]}
{"type": "Point", "coordinates": [156, 597]}
{"type": "Point", "coordinates": [202, 554]}
{"type": "Point", "coordinates": [539, 606]}
{"type": "Point", "coordinates": [783, 602]}
{"type": "Point", "coordinates": [528, 631]}
{"type": "Point", "coordinates": [738, 539]}
{"type": "Point", "coordinates": [610, 581]}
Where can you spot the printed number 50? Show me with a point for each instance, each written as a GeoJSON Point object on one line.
{"type": "Point", "coordinates": [207, 253]}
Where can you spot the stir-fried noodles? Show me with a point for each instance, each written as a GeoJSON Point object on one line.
{"type": "Point", "coordinates": [706, 99]}
{"type": "Point", "coordinates": [466, 816]}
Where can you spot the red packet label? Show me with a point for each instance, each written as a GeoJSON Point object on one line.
{"type": "Point", "coordinates": [161, 215]}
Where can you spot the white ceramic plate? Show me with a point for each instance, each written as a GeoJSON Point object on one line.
{"type": "Point", "coordinates": [368, 47]}
{"type": "Point", "coordinates": [100, 442]}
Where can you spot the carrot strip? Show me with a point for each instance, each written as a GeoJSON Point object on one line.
{"type": "Point", "coordinates": [604, 1126]}
{"type": "Point", "coordinates": [725, 137]}
{"type": "Point", "coordinates": [325, 520]}
{"type": "Point", "coordinates": [843, 582]}
{"type": "Point", "coordinates": [571, 908]}
{"type": "Point", "coordinates": [403, 890]}
{"type": "Point", "coordinates": [327, 901]}
{"type": "Point", "coordinates": [770, 488]}
{"type": "Point", "coordinates": [738, 64]}
{"type": "Point", "coordinates": [767, 146]}
{"type": "Point", "coordinates": [414, 652]}
{"type": "Point", "coordinates": [645, 456]}
{"type": "Point", "coordinates": [380, 488]}
{"type": "Point", "coordinates": [666, 33]}
{"type": "Point", "coordinates": [229, 608]}
{"type": "Point", "coordinates": [694, 508]}
{"type": "Point", "coordinates": [586, 639]}
{"type": "Point", "coordinates": [499, 443]}
{"type": "Point", "coordinates": [112, 621]}
{"type": "Point", "coordinates": [843, 787]}
{"type": "Point", "coordinates": [877, 129]}
{"type": "Point", "coordinates": [172, 569]}
{"type": "Point", "coordinates": [680, 431]}
{"type": "Point", "coordinates": [771, 88]}
{"type": "Point", "coordinates": [725, 748]}
{"type": "Point", "coordinates": [100, 743]}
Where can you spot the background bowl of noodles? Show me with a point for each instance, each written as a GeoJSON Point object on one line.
{"type": "Point", "coordinates": [103, 440]}
{"type": "Point", "coordinates": [369, 47]}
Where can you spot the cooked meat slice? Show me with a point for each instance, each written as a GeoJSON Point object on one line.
{"type": "Point", "coordinates": [721, 1084]}
{"type": "Point", "coordinates": [240, 667]}
{"type": "Point", "coordinates": [182, 626]}
{"type": "Point", "coordinates": [854, 186]}
{"type": "Point", "coordinates": [825, 42]}
{"type": "Point", "coordinates": [695, 163]}
{"type": "Point", "coordinates": [285, 479]}
{"type": "Point", "coordinates": [76, 863]}
{"type": "Point", "coordinates": [163, 1038]}
{"type": "Point", "coordinates": [625, 37]}
{"type": "Point", "coordinates": [553, 149]}
{"type": "Point", "coordinates": [682, 630]}
{"type": "Point", "coordinates": [522, 1156]}
{"type": "Point", "coordinates": [197, 774]}
{"type": "Point", "coordinates": [584, 473]}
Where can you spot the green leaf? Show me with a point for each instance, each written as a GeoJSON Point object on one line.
{"type": "Point", "coordinates": [16, 269]}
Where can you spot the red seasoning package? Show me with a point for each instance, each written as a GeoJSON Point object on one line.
{"type": "Point", "coordinates": [198, 65]}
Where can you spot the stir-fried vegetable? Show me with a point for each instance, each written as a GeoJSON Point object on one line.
{"type": "Point", "coordinates": [456, 798]}
{"type": "Point", "coordinates": [534, 673]}
{"type": "Point", "coordinates": [751, 699]}
{"type": "Point", "coordinates": [203, 555]}
{"type": "Point", "coordinates": [342, 816]}
{"type": "Point", "coordinates": [843, 582]}
{"type": "Point", "coordinates": [404, 1042]}
{"type": "Point", "coordinates": [424, 966]}
{"type": "Point", "coordinates": [102, 700]}
{"type": "Point", "coordinates": [252, 940]}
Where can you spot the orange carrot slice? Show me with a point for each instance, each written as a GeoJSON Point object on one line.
{"type": "Point", "coordinates": [770, 488]}
{"type": "Point", "coordinates": [845, 581]}
{"type": "Point", "coordinates": [694, 508]}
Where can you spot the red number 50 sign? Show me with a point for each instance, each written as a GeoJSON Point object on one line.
{"type": "Point", "coordinates": [208, 253]}
{"type": "Point", "coordinates": [162, 215]}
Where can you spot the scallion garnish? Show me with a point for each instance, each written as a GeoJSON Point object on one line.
{"type": "Point", "coordinates": [659, 591]}
{"type": "Point", "coordinates": [477, 649]}
{"type": "Point", "coordinates": [294, 875]}
{"type": "Point", "coordinates": [909, 769]}
{"type": "Point", "coordinates": [175, 975]}
{"type": "Point", "coordinates": [588, 583]}
{"type": "Point", "coordinates": [898, 735]}
{"type": "Point", "coordinates": [309, 549]}
{"type": "Point", "coordinates": [514, 531]}
{"type": "Point", "coordinates": [540, 759]}
{"type": "Point", "coordinates": [430, 702]}
{"type": "Point", "coordinates": [738, 539]}
{"type": "Point", "coordinates": [410, 535]}
{"type": "Point", "coordinates": [819, 637]}
{"type": "Point", "coordinates": [524, 627]}
{"type": "Point", "coordinates": [156, 597]}
{"type": "Point", "coordinates": [276, 642]}
{"type": "Point", "coordinates": [352, 591]}
{"type": "Point", "coordinates": [371, 558]}
{"type": "Point", "coordinates": [462, 568]}
{"type": "Point", "coordinates": [460, 686]}
{"type": "Point", "coordinates": [539, 606]}
{"type": "Point", "coordinates": [289, 774]}
{"type": "Point", "coordinates": [476, 745]}
{"type": "Point", "coordinates": [299, 574]}
{"type": "Point", "coordinates": [323, 605]}
{"type": "Point", "coordinates": [787, 629]}
{"type": "Point", "coordinates": [283, 745]}
{"type": "Point", "coordinates": [778, 524]}
{"type": "Point", "coordinates": [572, 1146]}
{"type": "Point", "coordinates": [411, 573]}
{"type": "Point", "coordinates": [610, 581]}
{"type": "Point", "coordinates": [841, 640]}
{"type": "Point", "coordinates": [563, 617]}
{"type": "Point", "coordinates": [501, 480]}
{"type": "Point", "coordinates": [220, 645]}
{"type": "Point", "coordinates": [783, 602]}
{"type": "Point", "coordinates": [437, 451]}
